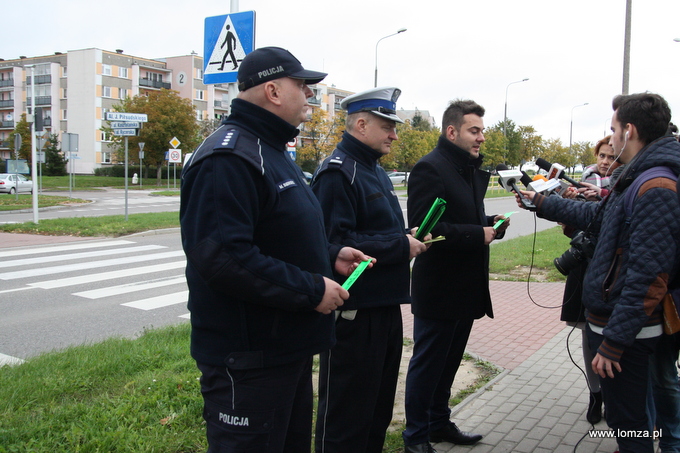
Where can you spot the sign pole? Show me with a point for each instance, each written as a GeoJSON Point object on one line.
{"type": "Point", "coordinates": [34, 156]}
{"type": "Point", "coordinates": [126, 178]}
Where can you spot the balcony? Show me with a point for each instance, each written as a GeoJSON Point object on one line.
{"type": "Point", "coordinates": [4, 145]}
{"type": "Point", "coordinates": [7, 124]}
{"type": "Point", "coordinates": [154, 84]}
{"type": "Point", "coordinates": [315, 101]}
{"type": "Point", "coordinates": [39, 100]}
{"type": "Point", "coordinates": [40, 79]}
{"type": "Point", "coordinates": [7, 83]}
{"type": "Point", "coordinates": [7, 103]}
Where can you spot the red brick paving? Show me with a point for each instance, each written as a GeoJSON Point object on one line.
{"type": "Point", "coordinates": [519, 327]}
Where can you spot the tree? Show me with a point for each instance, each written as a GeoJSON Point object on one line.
{"type": "Point", "coordinates": [23, 128]}
{"type": "Point", "coordinates": [208, 126]}
{"type": "Point", "coordinates": [169, 115]}
{"type": "Point", "coordinates": [583, 153]}
{"type": "Point", "coordinates": [410, 147]}
{"type": "Point", "coordinates": [531, 144]}
{"type": "Point", "coordinates": [55, 162]}
{"type": "Point", "coordinates": [418, 123]}
{"type": "Point", "coordinates": [319, 137]}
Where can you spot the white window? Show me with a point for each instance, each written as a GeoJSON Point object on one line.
{"type": "Point", "coordinates": [199, 73]}
{"type": "Point", "coordinates": [199, 94]}
{"type": "Point", "coordinates": [106, 157]}
{"type": "Point", "coordinates": [123, 72]}
{"type": "Point", "coordinates": [106, 92]}
{"type": "Point", "coordinates": [104, 137]}
{"type": "Point", "coordinates": [63, 96]}
{"type": "Point", "coordinates": [123, 93]}
{"type": "Point", "coordinates": [64, 71]}
{"type": "Point", "coordinates": [64, 116]}
{"type": "Point", "coordinates": [106, 69]}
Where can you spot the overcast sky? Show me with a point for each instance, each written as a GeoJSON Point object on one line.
{"type": "Point", "coordinates": [571, 51]}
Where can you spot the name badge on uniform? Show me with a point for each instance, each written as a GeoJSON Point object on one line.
{"type": "Point", "coordinates": [285, 185]}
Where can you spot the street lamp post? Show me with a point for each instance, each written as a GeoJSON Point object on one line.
{"type": "Point", "coordinates": [375, 81]}
{"type": "Point", "coordinates": [505, 115]}
{"type": "Point", "coordinates": [571, 124]}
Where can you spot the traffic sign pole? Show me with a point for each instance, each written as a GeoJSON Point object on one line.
{"type": "Point", "coordinates": [126, 179]}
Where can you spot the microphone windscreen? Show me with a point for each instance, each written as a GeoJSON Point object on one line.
{"type": "Point", "coordinates": [501, 167]}
{"type": "Point", "coordinates": [543, 164]}
{"type": "Point", "coordinates": [526, 179]}
{"type": "Point", "coordinates": [540, 177]}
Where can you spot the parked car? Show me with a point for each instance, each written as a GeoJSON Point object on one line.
{"type": "Point", "coordinates": [398, 178]}
{"type": "Point", "coordinates": [10, 181]}
{"type": "Point", "coordinates": [308, 176]}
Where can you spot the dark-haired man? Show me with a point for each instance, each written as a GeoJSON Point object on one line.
{"type": "Point", "coordinates": [450, 286]}
{"type": "Point", "coordinates": [632, 263]}
{"type": "Point", "coordinates": [259, 265]}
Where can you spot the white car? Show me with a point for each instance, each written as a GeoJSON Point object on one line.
{"type": "Point", "coordinates": [398, 178]}
{"type": "Point", "coordinates": [9, 182]}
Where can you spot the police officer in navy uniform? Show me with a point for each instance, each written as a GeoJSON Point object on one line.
{"type": "Point", "coordinates": [259, 265]}
{"type": "Point", "coordinates": [358, 376]}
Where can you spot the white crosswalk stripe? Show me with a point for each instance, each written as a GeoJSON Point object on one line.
{"type": "Point", "coordinates": [166, 276]}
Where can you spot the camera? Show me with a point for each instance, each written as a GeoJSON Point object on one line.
{"type": "Point", "coordinates": [582, 248]}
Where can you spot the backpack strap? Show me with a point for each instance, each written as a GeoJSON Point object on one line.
{"type": "Point", "coordinates": [636, 189]}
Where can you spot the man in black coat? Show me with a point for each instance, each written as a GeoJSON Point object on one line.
{"type": "Point", "coordinates": [450, 283]}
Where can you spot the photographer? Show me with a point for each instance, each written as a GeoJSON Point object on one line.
{"type": "Point", "coordinates": [574, 261]}
{"type": "Point", "coordinates": [632, 263]}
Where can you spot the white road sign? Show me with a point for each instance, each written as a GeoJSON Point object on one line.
{"type": "Point", "coordinates": [125, 132]}
{"type": "Point", "coordinates": [124, 116]}
{"type": "Point", "coordinates": [126, 125]}
{"type": "Point", "coordinates": [175, 156]}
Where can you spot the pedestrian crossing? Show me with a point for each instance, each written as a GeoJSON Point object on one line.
{"type": "Point", "coordinates": [125, 273]}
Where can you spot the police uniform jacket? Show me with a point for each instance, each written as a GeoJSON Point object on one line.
{"type": "Point", "coordinates": [361, 210]}
{"type": "Point", "coordinates": [451, 280]}
{"type": "Point", "coordinates": [256, 247]}
{"type": "Point", "coordinates": [635, 257]}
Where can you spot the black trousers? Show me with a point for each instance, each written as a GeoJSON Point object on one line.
{"type": "Point", "coordinates": [625, 395]}
{"type": "Point", "coordinates": [266, 410]}
{"type": "Point", "coordinates": [438, 349]}
{"type": "Point", "coordinates": [358, 382]}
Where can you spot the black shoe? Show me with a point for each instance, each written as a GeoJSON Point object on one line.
{"type": "Point", "coordinates": [452, 434]}
{"type": "Point", "coordinates": [594, 413]}
{"type": "Point", "coordinates": [420, 448]}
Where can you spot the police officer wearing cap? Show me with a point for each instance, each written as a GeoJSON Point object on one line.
{"type": "Point", "coordinates": [259, 265]}
{"type": "Point", "coordinates": [358, 376]}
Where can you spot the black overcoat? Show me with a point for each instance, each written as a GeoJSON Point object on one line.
{"type": "Point", "coordinates": [451, 280]}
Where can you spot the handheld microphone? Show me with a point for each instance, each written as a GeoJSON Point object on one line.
{"type": "Point", "coordinates": [555, 171]}
{"type": "Point", "coordinates": [508, 179]}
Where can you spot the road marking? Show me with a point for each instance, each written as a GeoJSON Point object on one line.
{"type": "Point", "coordinates": [88, 265]}
{"type": "Point", "coordinates": [112, 275]}
{"type": "Point", "coordinates": [159, 301]}
{"type": "Point", "coordinates": [62, 248]}
{"type": "Point", "coordinates": [129, 288]}
{"type": "Point", "coordinates": [77, 256]}
{"type": "Point", "coordinates": [9, 360]}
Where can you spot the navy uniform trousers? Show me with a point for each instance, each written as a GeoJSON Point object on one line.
{"type": "Point", "coordinates": [358, 381]}
{"type": "Point", "coordinates": [262, 410]}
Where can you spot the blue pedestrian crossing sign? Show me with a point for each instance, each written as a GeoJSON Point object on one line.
{"type": "Point", "coordinates": [227, 40]}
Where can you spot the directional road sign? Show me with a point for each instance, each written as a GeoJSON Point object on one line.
{"type": "Point", "coordinates": [125, 132]}
{"type": "Point", "coordinates": [227, 40]}
{"type": "Point", "coordinates": [126, 124]}
{"type": "Point", "coordinates": [124, 116]}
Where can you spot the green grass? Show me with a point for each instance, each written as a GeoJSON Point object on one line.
{"type": "Point", "coordinates": [119, 395]}
{"type": "Point", "coordinates": [25, 201]}
{"type": "Point", "coordinates": [510, 260]}
{"type": "Point", "coordinates": [110, 226]}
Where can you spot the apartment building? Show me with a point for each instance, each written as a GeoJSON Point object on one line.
{"type": "Point", "coordinates": [75, 90]}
